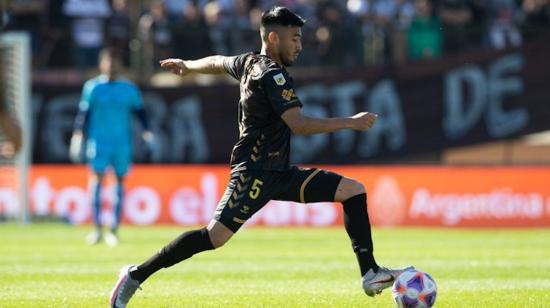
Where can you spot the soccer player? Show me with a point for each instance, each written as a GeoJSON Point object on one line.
{"type": "Point", "coordinates": [9, 125]}
{"type": "Point", "coordinates": [104, 119]}
{"type": "Point", "coordinates": [269, 111]}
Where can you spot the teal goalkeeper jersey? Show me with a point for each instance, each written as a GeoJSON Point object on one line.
{"type": "Point", "coordinates": [109, 107]}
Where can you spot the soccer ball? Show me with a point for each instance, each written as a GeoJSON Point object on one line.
{"type": "Point", "coordinates": [414, 289]}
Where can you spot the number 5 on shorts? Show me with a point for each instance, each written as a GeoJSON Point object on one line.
{"type": "Point", "coordinates": [255, 190]}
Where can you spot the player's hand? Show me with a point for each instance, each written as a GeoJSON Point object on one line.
{"type": "Point", "coordinates": [364, 120]}
{"type": "Point", "coordinates": [177, 66]}
{"type": "Point", "coordinates": [149, 139]}
{"type": "Point", "coordinates": [75, 148]}
{"type": "Point", "coordinates": [7, 150]}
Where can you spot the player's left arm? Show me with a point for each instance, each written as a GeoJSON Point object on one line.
{"type": "Point", "coordinates": [141, 114]}
{"type": "Point", "coordinates": [301, 124]}
{"type": "Point", "coordinates": [279, 89]}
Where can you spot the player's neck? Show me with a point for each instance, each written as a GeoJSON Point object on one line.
{"type": "Point", "coordinates": [111, 77]}
{"type": "Point", "coordinates": [275, 57]}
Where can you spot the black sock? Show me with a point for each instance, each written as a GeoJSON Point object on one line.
{"type": "Point", "coordinates": [356, 222]}
{"type": "Point", "coordinates": [183, 247]}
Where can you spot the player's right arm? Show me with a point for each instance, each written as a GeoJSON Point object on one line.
{"type": "Point", "coordinates": [81, 122]}
{"type": "Point", "coordinates": [208, 65]}
{"type": "Point", "coordinates": [233, 66]}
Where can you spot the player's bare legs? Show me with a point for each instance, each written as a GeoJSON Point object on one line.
{"type": "Point", "coordinates": [218, 233]}
{"type": "Point", "coordinates": [111, 238]}
{"type": "Point", "coordinates": [356, 221]}
{"type": "Point", "coordinates": [95, 236]}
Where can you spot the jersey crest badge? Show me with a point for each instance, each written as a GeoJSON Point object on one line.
{"type": "Point", "coordinates": [279, 79]}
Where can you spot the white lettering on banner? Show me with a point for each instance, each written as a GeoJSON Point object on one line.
{"type": "Point", "coordinates": [487, 94]}
{"type": "Point", "coordinates": [459, 119]}
{"type": "Point", "coordinates": [322, 214]}
{"type": "Point", "coordinates": [387, 206]}
{"type": "Point", "coordinates": [9, 204]}
{"type": "Point", "coordinates": [499, 204]}
{"type": "Point", "coordinates": [188, 207]}
{"type": "Point", "coordinates": [209, 186]}
{"type": "Point", "coordinates": [502, 123]}
{"type": "Point", "coordinates": [384, 101]}
{"type": "Point", "coordinates": [72, 203]}
{"type": "Point", "coordinates": [344, 94]}
{"type": "Point", "coordinates": [142, 206]}
{"type": "Point", "coordinates": [301, 214]}
{"type": "Point", "coordinates": [284, 213]}
{"type": "Point", "coordinates": [277, 214]}
{"type": "Point", "coordinates": [306, 148]}
{"type": "Point", "coordinates": [185, 207]}
{"type": "Point", "coordinates": [42, 195]}
{"type": "Point", "coordinates": [179, 131]}
{"type": "Point", "coordinates": [108, 199]}
{"type": "Point", "coordinates": [188, 140]}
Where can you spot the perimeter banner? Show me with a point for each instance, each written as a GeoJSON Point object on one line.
{"type": "Point", "coordinates": [424, 107]}
{"type": "Point", "coordinates": [398, 196]}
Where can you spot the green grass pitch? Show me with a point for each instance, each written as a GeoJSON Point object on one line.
{"type": "Point", "coordinates": [48, 265]}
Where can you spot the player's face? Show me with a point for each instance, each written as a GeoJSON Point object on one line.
{"type": "Point", "coordinates": [290, 44]}
{"type": "Point", "coordinates": [109, 66]}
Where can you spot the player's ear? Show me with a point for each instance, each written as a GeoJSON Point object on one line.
{"type": "Point", "coordinates": [273, 37]}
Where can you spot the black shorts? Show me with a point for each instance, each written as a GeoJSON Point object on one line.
{"type": "Point", "coordinates": [248, 191]}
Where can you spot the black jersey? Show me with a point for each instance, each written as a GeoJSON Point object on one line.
{"type": "Point", "coordinates": [266, 92]}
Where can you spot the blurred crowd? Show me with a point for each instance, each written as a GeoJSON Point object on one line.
{"type": "Point", "coordinates": [70, 33]}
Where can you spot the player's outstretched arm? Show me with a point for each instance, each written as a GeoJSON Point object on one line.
{"type": "Point", "coordinates": [208, 65]}
{"type": "Point", "coordinates": [304, 125]}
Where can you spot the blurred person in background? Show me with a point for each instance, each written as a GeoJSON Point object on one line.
{"type": "Point", "coordinates": [394, 17]}
{"type": "Point", "coordinates": [537, 17]}
{"type": "Point", "coordinates": [463, 23]}
{"type": "Point", "coordinates": [9, 126]}
{"type": "Point", "coordinates": [337, 36]}
{"type": "Point", "coordinates": [176, 9]}
{"type": "Point", "coordinates": [155, 32]}
{"type": "Point", "coordinates": [56, 49]}
{"type": "Point", "coordinates": [119, 29]}
{"type": "Point", "coordinates": [192, 28]}
{"type": "Point", "coordinates": [372, 43]}
{"type": "Point", "coordinates": [503, 24]}
{"type": "Point", "coordinates": [219, 27]}
{"type": "Point", "coordinates": [87, 29]}
{"type": "Point", "coordinates": [243, 36]}
{"type": "Point", "coordinates": [424, 37]}
{"type": "Point", "coordinates": [28, 16]}
{"type": "Point", "coordinates": [104, 123]}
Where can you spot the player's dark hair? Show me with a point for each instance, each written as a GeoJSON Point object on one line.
{"type": "Point", "coordinates": [281, 16]}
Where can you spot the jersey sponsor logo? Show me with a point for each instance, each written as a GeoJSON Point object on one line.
{"type": "Point", "coordinates": [288, 94]}
{"type": "Point", "coordinates": [279, 79]}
